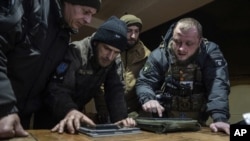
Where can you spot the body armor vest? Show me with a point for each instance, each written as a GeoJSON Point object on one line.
{"type": "Point", "coordinates": [184, 92]}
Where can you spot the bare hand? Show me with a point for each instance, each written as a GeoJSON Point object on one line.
{"type": "Point", "coordinates": [72, 122]}
{"type": "Point", "coordinates": [220, 126]}
{"type": "Point", "coordinates": [153, 106]}
{"type": "Point", "coordinates": [10, 127]}
{"type": "Point", "coordinates": [128, 122]}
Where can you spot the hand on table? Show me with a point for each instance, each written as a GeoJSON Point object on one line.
{"type": "Point", "coordinates": [220, 126]}
{"type": "Point", "coordinates": [72, 122]}
{"type": "Point", "coordinates": [10, 127]}
{"type": "Point", "coordinates": [128, 122]}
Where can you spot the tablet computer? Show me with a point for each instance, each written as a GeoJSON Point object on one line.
{"type": "Point", "coordinates": [101, 130]}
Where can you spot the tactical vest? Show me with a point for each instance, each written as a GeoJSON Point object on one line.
{"type": "Point", "coordinates": [184, 91]}
{"type": "Point", "coordinates": [188, 97]}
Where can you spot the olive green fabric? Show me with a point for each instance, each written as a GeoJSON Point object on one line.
{"type": "Point", "coordinates": [163, 125]}
{"type": "Point", "coordinates": [132, 20]}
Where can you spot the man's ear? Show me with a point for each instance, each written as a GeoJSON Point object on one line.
{"type": "Point", "coordinates": [200, 41]}
{"type": "Point", "coordinates": [95, 43]}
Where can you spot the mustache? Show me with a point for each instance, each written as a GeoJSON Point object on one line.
{"type": "Point", "coordinates": [134, 40]}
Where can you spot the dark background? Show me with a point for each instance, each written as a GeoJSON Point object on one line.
{"type": "Point", "coordinates": [225, 22]}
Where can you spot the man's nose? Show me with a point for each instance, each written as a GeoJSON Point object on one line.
{"type": "Point", "coordinates": [111, 55]}
{"type": "Point", "coordinates": [133, 35]}
{"type": "Point", "coordinates": [88, 19]}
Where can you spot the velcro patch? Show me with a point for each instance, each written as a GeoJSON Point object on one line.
{"type": "Point", "coordinates": [60, 72]}
{"type": "Point", "coordinates": [146, 68]}
{"type": "Point", "coordinates": [62, 68]}
{"type": "Point", "coordinates": [219, 62]}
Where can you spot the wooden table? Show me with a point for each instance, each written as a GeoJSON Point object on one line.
{"type": "Point", "coordinates": [203, 135]}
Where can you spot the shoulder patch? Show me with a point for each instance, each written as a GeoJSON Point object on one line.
{"type": "Point", "coordinates": [146, 68]}
{"type": "Point", "coordinates": [60, 72]}
{"type": "Point", "coordinates": [62, 68]}
{"type": "Point", "coordinates": [219, 62]}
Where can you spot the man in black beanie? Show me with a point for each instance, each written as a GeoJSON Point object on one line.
{"type": "Point", "coordinates": [133, 58]}
{"type": "Point", "coordinates": [34, 35]}
{"type": "Point", "coordinates": [89, 63]}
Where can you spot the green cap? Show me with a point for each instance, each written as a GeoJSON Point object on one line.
{"type": "Point", "coordinates": [132, 20]}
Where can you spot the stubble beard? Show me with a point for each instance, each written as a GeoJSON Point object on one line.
{"type": "Point", "coordinates": [188, 60]}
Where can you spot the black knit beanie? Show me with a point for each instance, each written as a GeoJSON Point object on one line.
{"type": "Point", "coordinates": [112, 32]}
{"type": "Point", "coordinates": [91, 3]}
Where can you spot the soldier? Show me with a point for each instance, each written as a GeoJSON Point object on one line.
{"type": "Point", "coordinates": [133, 58]}
{"type": "Point", "coordinates": [34, 36]}
{"type": "Point", "coordinates": [196, 82]}
{"type": "Point", "coordinates": [88, 64]}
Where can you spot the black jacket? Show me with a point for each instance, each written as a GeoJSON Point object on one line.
{"type": "Point", "coordinates": [78, 78]}
{"type": "Point", "coordinates": [30, 50]}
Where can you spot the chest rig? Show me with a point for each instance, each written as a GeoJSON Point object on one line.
{"type": "Point", "coordinates": [183, 92]}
